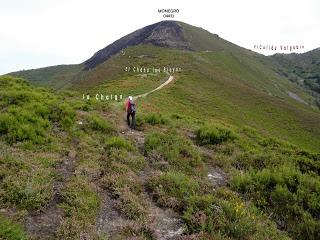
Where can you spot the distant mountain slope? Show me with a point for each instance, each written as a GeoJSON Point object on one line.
{"type": "Point", "coordinates": [56, 77]}
{"type": "Point", "coordinates": [303, 69]}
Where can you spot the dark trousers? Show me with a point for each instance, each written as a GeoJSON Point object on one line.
{"type": "Point", "coordinates": [133, 123]}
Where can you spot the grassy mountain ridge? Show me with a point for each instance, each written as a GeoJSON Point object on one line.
{"type": "Point", "coordinates": [208, 85]}
{"type": "Point", "coordinates": [55, 77]}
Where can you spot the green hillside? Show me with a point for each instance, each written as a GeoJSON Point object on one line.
{"type": "Point", "coordinates": [227, 150]}
{"type": "Point", "coordinates": [71, 168]}
{"type": "Point", "coordinates": [170, 35]}
{"type": "Point", "coordinates": [220, 85]}
{"type": "Point", "coordinates": [302, 69]}
{"type": "Point", "coordinates": [55, 77]}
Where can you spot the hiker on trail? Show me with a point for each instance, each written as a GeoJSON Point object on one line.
{"type": "Point", "coordinates": [131, 111]}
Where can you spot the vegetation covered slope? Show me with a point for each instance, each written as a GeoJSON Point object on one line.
{"type": "Point", "coordinates": [233, 86]}
{"type": "Point", "coordinates": [222, 152]}
{"type": "Point", "coordinates": [55, 77]}
{"type": "Point", "coordinates": [169, 35]}
{"type": "Point", "coordinates": [71, 169]}
{"type": "Point", "coordinates": [303, 69]}
{"type": "Point", "coordinates": [207, 87]}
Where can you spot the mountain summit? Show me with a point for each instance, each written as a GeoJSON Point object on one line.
{"type": "Point", "coordinates": [165, 34]}
{"type": "Point", "coordinates": [170, 34]}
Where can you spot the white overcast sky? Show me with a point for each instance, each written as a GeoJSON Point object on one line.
{"type": "Point", "coordinates": [38, 33]}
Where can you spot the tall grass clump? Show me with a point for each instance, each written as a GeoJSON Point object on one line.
{"type": "Point", "coordinates": [214, 134]}
{"type": "Point", "coordinates": [155, 119]}
{"type": "Point", "coordinates": [171, 151]}
{"type": "Point", "coordinates": [10, 230]}
{"type": "Point", "coordinates": [172, 189]}
{"type": "Point", "coordinates": [98, 123]}
{"type": "Point", "coordinates": [119, 143]}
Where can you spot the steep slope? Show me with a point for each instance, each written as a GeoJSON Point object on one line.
{"type": "Point", "coordinates": [164, 34]}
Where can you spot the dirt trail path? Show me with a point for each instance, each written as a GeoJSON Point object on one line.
{"type": "Point", "coordinates": [164, 223]}
{"type": "Point", "coordinates": [169, 80]}
{"type": "Point", "coordinates": [109, 220]}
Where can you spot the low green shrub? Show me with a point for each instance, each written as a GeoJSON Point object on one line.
{"type": "Point", "coordinates": [131, 205]}
{"type": "Point", "coordinates": [155, 118]}
{"type": "Point", "coordinates": [177, 151]}
{"type": "Point", "coordinates": [134, 162]}
{"type": "Point", "coordinates": [72, 228]}
{"type": "Point", "coordinates": [134, 231]}
{"type": "Point", "coordinates": [116, 182]}
{"type": "Point", "coordinates": [210, 214]}
{"type": "Point", "coordinates": [259, 160]}
{"type": "Point", "coordinates": [119, 143]}
{"type": "Point", "coordinates": [288, 194]}
{"type": "Point", "coordinates": [19, 96]}
{"type": "Point", "coordinates": [61, 113]}
{"type": "Point", "coordinates": [97, 123]}
{"type": "Point", "coordinates": [29, 114]}
{"type": "Point", "coordinates": [214, 134]}
{"type": "Point", "coordinates": [93, 104]}
{"type": "Point", "coordinates": [10, 230]}
{"type": "Point", "coordinates": [140, 122]}
{"type": "Point", "coordinates": [31, 190]}
{"type": "Point", "coordinates": [80, 200]}
{"type": "Point", "coordinates": [19, 125]}
{"type": "Point", "coordinates": [172, 189]}
{"type": "Point", "coordinates": [28, 192]}
{"type": "Point", "coordinates": [277, 144]}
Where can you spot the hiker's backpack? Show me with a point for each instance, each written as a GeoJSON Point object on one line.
{"type": "Point", "coordinates": [132, 107]}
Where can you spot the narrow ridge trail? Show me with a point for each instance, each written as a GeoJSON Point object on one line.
{"type": "Point", "coordinates": [169, 80]}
